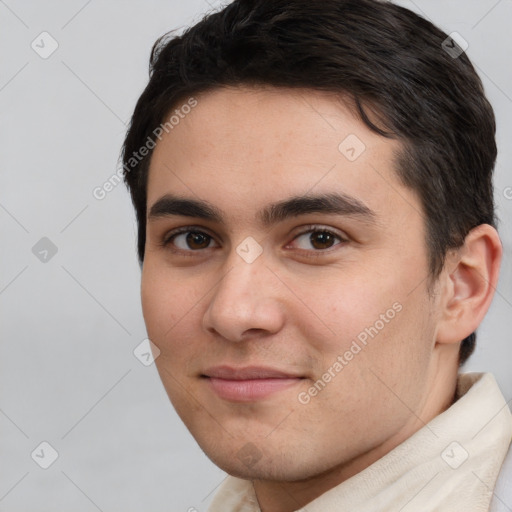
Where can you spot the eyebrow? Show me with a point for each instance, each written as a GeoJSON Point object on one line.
{"type": "Point", "coordinates": [329, 203]}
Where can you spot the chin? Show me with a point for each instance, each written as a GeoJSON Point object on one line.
{"type": "Point", "coordinates": [267, 463]}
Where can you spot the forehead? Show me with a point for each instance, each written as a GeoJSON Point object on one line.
{"type": "Point", "coordinates": [247, 146]}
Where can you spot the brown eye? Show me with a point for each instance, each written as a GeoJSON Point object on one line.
{"type": "Point", "coordinates": [196, 240]}
{"type": "Point", "coordinates": [318, 240]}
{"type": "Point", "coordinates": [187, 240]}
{"type": "Point", "coordinates": [321, 239]}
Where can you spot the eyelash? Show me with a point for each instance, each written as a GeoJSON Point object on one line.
{"type": "Point", "coordinates": [166, 242]}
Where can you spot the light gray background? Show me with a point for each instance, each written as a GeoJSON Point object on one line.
{"type": "Point", "coordinates": [69, 326]}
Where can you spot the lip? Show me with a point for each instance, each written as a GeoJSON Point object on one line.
{"type": "Point", "coordinates": [248, 373]}
{"type": "Point", "coordinates": [248, 384]}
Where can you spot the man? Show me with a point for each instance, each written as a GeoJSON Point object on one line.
{"type": "Point", "coordinates": [313, 187]}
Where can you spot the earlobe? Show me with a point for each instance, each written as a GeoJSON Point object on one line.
{"type": "Point", "coordinates": [471, 286]}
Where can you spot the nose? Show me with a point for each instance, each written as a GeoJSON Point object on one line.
{"type": "Point", "coordinates": [246, 302]}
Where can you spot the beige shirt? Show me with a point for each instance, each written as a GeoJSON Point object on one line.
{"type": "Point", "coordinates": [449, 465]}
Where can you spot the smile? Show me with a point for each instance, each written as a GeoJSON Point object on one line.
{"type": "Point", "coordinates": [248, 384]}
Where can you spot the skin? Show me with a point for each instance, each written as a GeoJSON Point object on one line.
{"type": "Point", "coordinates": [298, 306]}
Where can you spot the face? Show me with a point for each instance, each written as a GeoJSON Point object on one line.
{"type": "Point", "coordinates": [284, 283]}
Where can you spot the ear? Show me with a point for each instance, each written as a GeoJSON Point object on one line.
{"type": "Point", "coordinates": [470, 279]}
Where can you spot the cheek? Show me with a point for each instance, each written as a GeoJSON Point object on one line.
{"type": "Point", "coordinates": [169, 310]}
{"type": "Point", "coordinates": [372, 322]}
{"type": "Point", "coordinates": [348, 310]}
{"type": "Point", "coordinates": [156, 306]}
{"type": "Point", "coordinates": [168, 303]}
